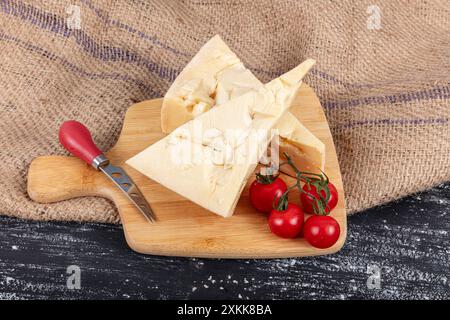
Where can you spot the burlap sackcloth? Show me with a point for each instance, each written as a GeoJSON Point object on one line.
{"type": "Point", "coordinates": [382, 77]}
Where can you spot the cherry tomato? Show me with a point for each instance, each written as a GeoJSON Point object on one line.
{"type": "Point", "coordinates": [309, 203]}
{"type": "Point", "coordinates": [287, 223]}
{"type": "Point", "coordinates": [262, 195]}
{"type": "Point", "coordinates": [321, 231]}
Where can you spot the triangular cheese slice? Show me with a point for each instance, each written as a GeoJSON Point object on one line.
{"type": "Point", "coordinates": [208, 160]}
{"type": "Point", "coordinates": [216, 75]}
{"type": "Point", "coordinates": [305, 149]}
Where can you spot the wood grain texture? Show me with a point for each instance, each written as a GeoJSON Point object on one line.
{"type": "Point", "coordinates": [184, 228]}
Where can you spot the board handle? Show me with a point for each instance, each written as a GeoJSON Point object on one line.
{"type": "Point", "coordinates": [57, 178]}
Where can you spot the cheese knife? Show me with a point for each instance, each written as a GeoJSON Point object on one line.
{"type": "Point", "coordinates": [77, 139]}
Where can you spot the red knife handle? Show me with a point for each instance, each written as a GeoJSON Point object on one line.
{"type": "Point", "coordinates": [77, 139]}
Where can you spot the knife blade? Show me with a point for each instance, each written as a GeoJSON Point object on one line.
{"type": "Point", "coordinates": [124, 182]}
{"type": "Point", "coordinates": [77, 139]}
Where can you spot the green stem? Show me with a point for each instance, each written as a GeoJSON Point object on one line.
{"type": "Point", "coordinates": [265, 179]}
{"type": "Point", "coordinates": [319, 181]}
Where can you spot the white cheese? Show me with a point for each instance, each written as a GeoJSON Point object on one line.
{"type": "Point", "coordinates": [216, 75]}
{"type": "Point", "coordinates": [212, 172]}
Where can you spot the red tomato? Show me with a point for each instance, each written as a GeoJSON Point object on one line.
{"type": "Point", "coordinates": [262, 195]}
{"type": "Point", "coordinates": [321, 231]}
{"type": "Point", "coordinates": [309, 202]}
{"type": "Point", "coordinates": [287, 223]}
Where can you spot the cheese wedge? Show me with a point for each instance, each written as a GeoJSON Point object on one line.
{"type": "Point", "coordinates": [209, 159]}
{"type": "Point", "coordinates": [216, 75]}
{"type": "Point", "coordinates": [305, 149]}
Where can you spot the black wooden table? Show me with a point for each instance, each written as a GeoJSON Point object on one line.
{"type": "Point", "coordinates": [397, 251]}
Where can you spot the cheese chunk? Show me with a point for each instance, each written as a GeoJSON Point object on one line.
{"type": "Point", "coordinates": [216, 75]}
{"type": "Point", "coordinates": [306, 151]}
{"type": "Point", "coordinates": [209, 159]}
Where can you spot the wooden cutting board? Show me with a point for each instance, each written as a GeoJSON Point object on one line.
{"type": "Point", "coordinates": [184, 228]}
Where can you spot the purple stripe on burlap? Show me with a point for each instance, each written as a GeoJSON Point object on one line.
{"type": "Point", "coordinates": [36, 16]}
{"type": "Point", "coordinates": [392, 122]}
{"type": "Point", "coordinates": [53, 23]}
{"type": "Point", "coordinates": [74, 68]}
{"type": "Point", "coordinates": [57, 24]}
{"type": "Point", "coordinates": [441, 92]}
{"type": "Point", "coordinates": [153, 39]}
{"type": "Point", "coordinates": [334, 79]}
